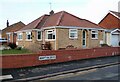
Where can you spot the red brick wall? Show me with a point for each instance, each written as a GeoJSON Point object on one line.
{"type": "Point", "coordinates": [17, 61]}
{"type": "Point", "coordinates": [110, 21]}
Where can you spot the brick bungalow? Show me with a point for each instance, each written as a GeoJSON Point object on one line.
{"type": "Point", "coordinates": [61, 29]}
{"type": "Point", "coordinates": [9, 32]}
{"type": "Point", "coordinates": [111, 22]}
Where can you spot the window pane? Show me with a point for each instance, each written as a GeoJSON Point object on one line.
{"type": "Point", "coordinates": [53, 36]}
{"type": "Point", "coordinates": [29, 37]}
{"type": "Point", "coordinates": [93, 35]}
{"type": "Point", "coordinates": [49, 36]}
{"type": "Point", "coordinates": [39, 35]}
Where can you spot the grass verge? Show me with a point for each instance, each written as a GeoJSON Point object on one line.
{"type": "Point", "coordinates": [14, 51]}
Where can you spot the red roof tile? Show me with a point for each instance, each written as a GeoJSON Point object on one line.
{"type": "Point", "coordinates": [66, 19]}
{"type": "Point", "coordinates": [36, 23]}
{"type": "Point", "coordinates": [111, 20]}
{"type": "Point", "coordinates": [59, 19]}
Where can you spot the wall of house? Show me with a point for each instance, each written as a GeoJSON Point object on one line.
{"type": "Point", "coordinates": [33, 45]}
{"type": "Point", "coordinates": [96, 42]}
{"type": "Point", "coordinates": [63, 39]}
{"type": "Point", "coordinates": [108, 38]}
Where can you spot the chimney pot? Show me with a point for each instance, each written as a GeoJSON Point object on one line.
{"type": "Point", "coordinates": [7, 23]}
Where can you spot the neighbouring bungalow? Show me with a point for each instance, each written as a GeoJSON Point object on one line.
{"type": "Point", "coordinates": [111, 22]}
{"type": "Point", "coordinates": [9, 32]}
{"type": "Point", "coordinates": [62, 30]}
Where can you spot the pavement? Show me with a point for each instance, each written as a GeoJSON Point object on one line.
{"type": "Point", "coordinates": [40, 71]}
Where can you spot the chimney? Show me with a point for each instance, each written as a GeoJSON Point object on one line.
{"type": "Point", "coordinates": [51, 12]}
{"type": "Point", "coordinates": [7, 23]}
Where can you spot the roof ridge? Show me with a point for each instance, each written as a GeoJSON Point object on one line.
{"type": "Point", "coordinates": [45, 21]}
{"type": "Point", "coordinates": [39, 20]}
{"type": "Point", "coordinates": [60, 18]}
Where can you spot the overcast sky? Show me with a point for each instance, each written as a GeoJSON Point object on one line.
{"type": "Point", "coordinates": [29, 10]}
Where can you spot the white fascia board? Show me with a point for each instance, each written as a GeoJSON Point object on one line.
{"type": "Point", "coordinates": [115, 30]}
{"type": "Point", "coordinates": [115, 15]}
{"type": "Point", "coordinates": [75, 27]}
{"type": "Point", "coordinates": [51, 27]}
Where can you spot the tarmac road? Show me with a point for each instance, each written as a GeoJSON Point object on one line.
{"type": "Point", "coordinates": [105, 73]}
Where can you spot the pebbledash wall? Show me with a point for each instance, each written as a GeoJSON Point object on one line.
{"type": "Point", "coordinates": [55, 56]}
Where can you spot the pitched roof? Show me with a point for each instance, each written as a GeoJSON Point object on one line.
{"type": "Point", "coordinates": [111, 20]}
{"type": "Point", "coordinates": [66, 19]}
{"type": "Point", "coordinates": [61, 18]}
{"type": "Point", "coordinates": [12, 28]}
{"type": "Point", "coordinates": [36, 24]}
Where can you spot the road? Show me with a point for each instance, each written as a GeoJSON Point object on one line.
{"type": "Point", "coordinates": [105, 73]}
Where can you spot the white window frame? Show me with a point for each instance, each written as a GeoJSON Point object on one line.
{"type": "Point", "coordinates": [71, 31]}
{"type": "Point", "coordinates": [53, 32]}
{"type": "Point", "coordinates": [19, 34]}
{"type": "Point", "coordinates": [27, 33]}
{"type": "Point", "coordinates": [95, 32]}
{"type": "Point", "coordinates": [8, 37]}
{"type": "Point", "coordinates": [40, 36]}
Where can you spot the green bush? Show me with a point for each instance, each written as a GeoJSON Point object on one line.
{"type": "Point", "coordinates": [12, 45]}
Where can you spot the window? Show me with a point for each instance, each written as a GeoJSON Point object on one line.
{"type": "Point", "coordinates": [73, 34]}
{"type": "Point", "coordinates": [28, 35]}
{"type": "Point", "coordinates": [94, 34]}
{"type": "Point", "coordinates": [39, 35]}
{"type": "Point", "coordinates": [8, 37]}
{"type": "Point", "coordinates": [50, 35]}
{"type": "Point", "coordinates": [19, 36]}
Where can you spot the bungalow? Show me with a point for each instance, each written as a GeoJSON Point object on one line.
{"type": "Point", "coordinates": [9, 32]}
{"type": "Point", "coordinates": [111, 22]}
{"type": "Point", "coordinates": [61, 30]}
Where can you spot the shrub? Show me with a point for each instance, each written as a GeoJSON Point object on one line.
{"type": "Point", "coordinates": [12, 45]}
{"type": "Point", "coordinates": [46, 46]}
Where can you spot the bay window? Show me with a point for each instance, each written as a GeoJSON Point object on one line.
{"type": "Point", "coordinates": [50, 34]}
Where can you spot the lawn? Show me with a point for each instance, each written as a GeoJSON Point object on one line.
{"type": "Point", "coordinates": [14, 51]}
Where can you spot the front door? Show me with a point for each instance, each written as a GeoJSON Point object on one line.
{"type": "Point", "coordinates": [84, 39]}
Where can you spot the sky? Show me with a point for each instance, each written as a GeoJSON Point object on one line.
{"type": "Point", "coordinates": [29, 10]}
